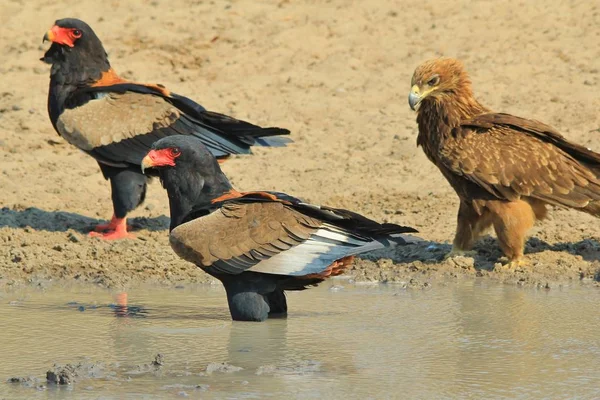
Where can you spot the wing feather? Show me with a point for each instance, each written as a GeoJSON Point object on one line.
{"type": "Point", "coordinates": [268, 237]}
{"type": "Point", "coordinates": [121, 122]}
{"type": "Point", "coordinates": [510, 157]}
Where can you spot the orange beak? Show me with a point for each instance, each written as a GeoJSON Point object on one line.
{"type": "Point", "coordinates": [159, 158]}
{"type": "Point", "coordinates": [49, 36]}
{"type": "Point", "coordinates": [58, 35]}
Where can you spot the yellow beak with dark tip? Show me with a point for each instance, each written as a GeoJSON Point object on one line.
{"type": "Point", "coordinates": [414, 97]}
{"type": "Point", "coordinates": [147, 163]}
{"type": "Point", "coordinates": [49, 36]}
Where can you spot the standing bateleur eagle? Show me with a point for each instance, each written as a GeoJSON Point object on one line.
{"type": "Point", "coordinates": [258, 244]}
{"type": "Point", "coordinates": [116, 121]}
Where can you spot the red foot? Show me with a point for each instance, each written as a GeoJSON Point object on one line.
{"type": "Point", "coordinates": [112, 225]}
{"type": "Point", "coordinates": [115, 229]}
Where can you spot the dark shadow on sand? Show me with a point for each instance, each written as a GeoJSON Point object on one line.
{"type": "Point", "coordinates": [488, 251]}
{"type": "Point", "coordinates": [62, 221]}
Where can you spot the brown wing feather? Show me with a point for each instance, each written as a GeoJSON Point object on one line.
{"type": "Point", "coordinates": [536, 128]}
{"type": "Point", "coordinates": [244, 233]}
{"type": "Point", "coordinates": [511, 157]}
{"type": "Point", "coordinates": [113, 118]}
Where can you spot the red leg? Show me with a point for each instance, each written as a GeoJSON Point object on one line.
{"type": "Point", "coordinates": [111, 226]}
{"type": "Point", "coordinates": [115, 229]}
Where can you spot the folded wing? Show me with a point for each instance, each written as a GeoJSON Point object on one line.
{"type": "Point", "coordinates": [269, 237]}
{"type": "Point", "coordinates": [510, 157]}
{"type": "Point", "coordinates": [120, 123]}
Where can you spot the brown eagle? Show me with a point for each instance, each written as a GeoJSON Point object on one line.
{"type": "Point", "coordinates": [505, 169]}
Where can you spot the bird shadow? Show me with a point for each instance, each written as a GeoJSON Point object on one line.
{"type": "Point", "coordinates": [587, 249]}
{"type": "Point", "coordinates": [62, 221]}
{"type": "Point", "coordinates": [488, 253]}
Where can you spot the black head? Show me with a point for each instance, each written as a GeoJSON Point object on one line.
{"type": "Point", "coordinates": [188, 171]}
{"type": "Point", "coordinates": [74, 42]}
{"type": "Point", "coordinates": [181, 154]}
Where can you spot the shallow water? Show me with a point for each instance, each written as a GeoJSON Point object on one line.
{"type": "Point", "coordinates": [468, 340]}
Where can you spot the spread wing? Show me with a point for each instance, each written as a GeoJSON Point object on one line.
{"type": "Point", "coordinates": [120, 123]}
{"type": "Point", "coordinates": [269, 237]}
{"type": "Point", "coordinates": [510, 157]}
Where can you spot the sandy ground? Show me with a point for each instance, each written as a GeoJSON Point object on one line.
{"type": "Point", "coordinates": [337, 73]}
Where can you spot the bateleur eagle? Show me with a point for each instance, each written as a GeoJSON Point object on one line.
{"type": "Point", "coordinates": [505, 169]}
{"type": "Point", "coordinates": [116, 121]}
{"type": "Point", "coordinates": [258, 244]}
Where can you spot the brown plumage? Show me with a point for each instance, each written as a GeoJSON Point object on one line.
{"type": "Point", "coordinates": [236, 231]}
{"type": "Point", "coordinates": [505, 169]}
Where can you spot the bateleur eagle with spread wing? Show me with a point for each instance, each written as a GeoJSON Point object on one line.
{"type": "Point", "coordinates": [258, 244]}
{"type": "Point", "coordinates": [116, 121]}
{"type": "Point", "coordinates": [505, 169]}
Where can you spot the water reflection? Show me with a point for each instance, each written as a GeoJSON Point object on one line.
{"type": "Point", "coordinates": [461, 341]}
{"type": "Point", "coordinates": [122, 308]}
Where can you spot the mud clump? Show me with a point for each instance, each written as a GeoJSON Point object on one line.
{"type": "Point", "coordinates": [159, 360]}
{"type": "Point", "coordinates": [152, 367]}
{"type": "Point", "coordinates": [65, 375]}
{"type": "Point", "coordinates": [70, 373]}
{"type": "Point", "coordinates": [27, 381]}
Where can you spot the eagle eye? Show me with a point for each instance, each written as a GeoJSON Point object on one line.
{"type": "Point", "coordinates": [434, 80]}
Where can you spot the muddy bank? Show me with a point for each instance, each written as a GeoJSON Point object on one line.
{"type": "Point", "coordinates": [85, 373]}
{"type": "Point", "coordinates": [32, 257]}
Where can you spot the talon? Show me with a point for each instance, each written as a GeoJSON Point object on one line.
{"type": "Point", "coordinates": [115, 229]}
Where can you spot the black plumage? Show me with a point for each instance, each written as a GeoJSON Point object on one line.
{"type": "Point", "coordinates": [258, 244]}
{"type": "Point", "coordinates": [116, 121]}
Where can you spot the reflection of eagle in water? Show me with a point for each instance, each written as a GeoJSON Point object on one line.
{"type": "Point", "coordinates": [505, 169]}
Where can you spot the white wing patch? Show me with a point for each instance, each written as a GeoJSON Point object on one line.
{"type": "Point", "coordinates": [325, 246]}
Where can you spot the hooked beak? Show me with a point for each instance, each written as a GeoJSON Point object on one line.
{"type": "Point", "coordinates": [147, 162]}
{"type": "Point", "coordinates": [414, 97]}
{"type": "Point", "coordinates": [158, 158]}
{"type": "Point", "coordinates": [51, 34]}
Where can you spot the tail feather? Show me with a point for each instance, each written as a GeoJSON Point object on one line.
{"type": "Point", "coordinates": [389, 241]}
{"type": "Point", "coordinates": [273, 141]}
